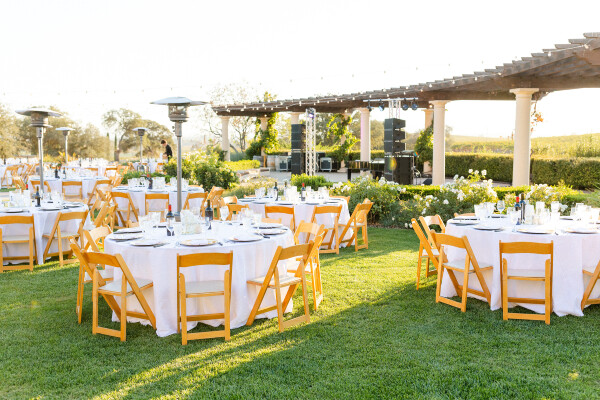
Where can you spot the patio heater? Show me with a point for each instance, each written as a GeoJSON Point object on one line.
{"type": "Point", "coordinates": [141, 131]}
{"type": "Point", "coordinates": [178, 114]}
{"type": "Point", "coordinates": [39, 120]}
{"type": "Point", "coordinates": [65, 130]}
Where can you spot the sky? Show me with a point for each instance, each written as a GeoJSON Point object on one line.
{"type": "Point", "coordinates": [87, 57]}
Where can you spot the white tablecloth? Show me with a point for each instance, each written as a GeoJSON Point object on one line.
{"type": "Point", "coordinates": [43, 221]}
{"type": "Point", "coordinates": [572, 252]}
{"type": "Point", "coordinates": [159, 264]}
{"type": "Point", "coordinates": [87, 184]}
{"type": "Point", "coordinates": [303, 212]}
{"type": "Point", "coordinates": [138, 196]}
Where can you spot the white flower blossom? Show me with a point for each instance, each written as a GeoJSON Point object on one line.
{"type": "Point", "coordinates": [470, 171]}
{"type": "Point", "coordinates": [446, 201]}
{"type": "Point", "coordinates": [483, 172]}
{"type": "Point", "coordinates": [406, 225]}
{"type": "Point", "coordinates": [424, 211]}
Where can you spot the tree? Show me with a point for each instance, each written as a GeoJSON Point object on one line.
{"type": "Point", "coordinates": [241, 127]}
{"type": "Point", "coordinates": [123, 121]}
{"type": "Point", "coordinates": [9, 133]}
{"type": "Point", "coordinates": [424, 145]}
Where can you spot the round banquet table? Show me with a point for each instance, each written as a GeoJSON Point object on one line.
{"type": "Point", "coordinates": [573, 252]}
{"type": "Point", "coordinates": [138, 196]}
{"type": "Point", "coordinates": [87, 184]}
{"type": "Point", "coordinates": [250, 260]}
{"type": "Point", "coordinates": [303, 211]}
{"type": "Point", "coordinates": [43, 221]}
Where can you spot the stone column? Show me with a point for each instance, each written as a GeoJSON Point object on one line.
{"type": "Point", "coordinates": [439, 141]}
{"type": "Point", "coordinates": [263, 127]}
{"type": "Point", "coordinates": [295, 117]}
{"type": "Point", "coordinates": [428, 117]}
{"type": "Point", "coordinates": [365, 134]}
{"type": "Point", "coordinates": [522, 140]}
{"type": "Point", "coordinates": [225, 137]}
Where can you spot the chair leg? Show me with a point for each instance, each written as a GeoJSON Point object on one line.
{"type": "Point", "coordinates": [279, 307]}
{"type": "Point", "coordinates": [227, 296]}
{"type": "Point", "coordinates": [548, 300]}
{"type": "Point", "coordinates": [504, 293]}
{"type": "Point", "coordinates": [95, 302]}
{"type": "Point", "coordinates": [420, 255]}
{"type": "Point", "coordinates": [465, 287]}
{"type": "Point", "coordinates": [1, 252]}
{"type": "Point", "coordinates": [439, 284]}
{"type": "Point", "coordinates": [60, 253]}
{"type": "Point", "coordinates": [31, 247]}
{"type": "Point", "coordinates": [79, 293]}
{"type": "Point", "coordinates": [183, 310]}
{"type": "Point", "coordinates": [123, 316]}
{"type": "Point", "coordinates": [305, 299]}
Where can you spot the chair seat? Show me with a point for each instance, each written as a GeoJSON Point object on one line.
{"type": "Point", "coordinates": [526, 272]}
{"type": "Point", "coordinates": [115, 286]}
{"type": "Point", "coordinates": [283, 280]}
{"type": "Point", "coordinates": [15, 238]}
{"type": "Point", "coordinates": [105, 274]}
{"type": "Point", "coordinates": [460, 265]}
{"type": "Point", "coordinates": [435, 252]}
{"type": "Point", "coordinates": [204, 287]}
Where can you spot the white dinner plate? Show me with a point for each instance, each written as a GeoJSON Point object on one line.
{"type": "Point", "coordinates": [270, 231]}
{"type": "Point", "coordinates": [567, 217]}
{"type": "Point", "coordinates": [583, 230]}
{"type": "Point", "coordinates": [12, 210]}
{"type": "Point", "coordinates": [464, 222]}
{"type": "Point", "coordinates": [498, 215]}
{"type": "Point", "coordinates": [199, 242]}
{"type": "Point", "coordinates": [127, 230]}
{"type": "Point", "coordinates": [246, 238]}
{"type": "Point", "coordinates": [466, 218]}
{"type": "Point", "coordinates": [50, 208]}
{"type": "Point", "coordinates": [313, 203]}
{"type": "Point", "coordinates": [487, 228]}
{"type": "Point", "coordinates": [536, 230]}
{"type": "Point", "coordinates": [125, 237]}
{"type": "Point", "coordinates": [268, 225]}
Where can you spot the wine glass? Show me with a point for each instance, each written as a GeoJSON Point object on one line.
{"type": "Point", "coordinates": [500, 206]}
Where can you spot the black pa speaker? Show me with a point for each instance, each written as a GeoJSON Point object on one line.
{"type": "Point", "coordinates": [298, 137]}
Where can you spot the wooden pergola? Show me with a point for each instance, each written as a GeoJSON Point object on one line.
{"type": "Point", "coordinates": [574, 65]}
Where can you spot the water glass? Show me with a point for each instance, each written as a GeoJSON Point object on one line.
{"type": "Point", "coordinates": [177, 229]}
{"type": "Point", "coordinates": [555, 206]}
{"type": "Point", "coordinates": [500, 206]}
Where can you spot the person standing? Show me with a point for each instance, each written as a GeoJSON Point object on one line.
{"type": "Point", "coordinates": [168, 151]}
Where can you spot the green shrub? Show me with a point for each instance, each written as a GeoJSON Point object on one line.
{"type": "Point", "coordinates": [203, 169]}
{"type": "Point", "coordinates": [314, 181]}
{"type": "Point", "coordinates": [253, 149]}
{"type": "Point", "coordinates": [247, 188]}
{"type": "Point", "coordinates": [137, 174]}
{"type": "Point", "coordinates": [580, 173]}
{"type": "Point", "coordinates": [242, 164]}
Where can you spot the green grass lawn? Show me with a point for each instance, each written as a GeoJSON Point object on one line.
{"type": "Point", "coordinates": [375, 336]}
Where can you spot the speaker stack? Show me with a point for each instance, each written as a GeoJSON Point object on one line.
{"type": "Point", "coordinates": [398, 162]}
{"type": "Point", "coordinates": [298, 149]}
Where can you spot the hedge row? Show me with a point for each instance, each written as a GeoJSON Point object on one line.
{"type": "Point", "coordinates": [580, 173]}
{"type": "Point", "coordinates": [354, 155]}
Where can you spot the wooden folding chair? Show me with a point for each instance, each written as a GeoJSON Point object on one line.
{"type": "Point", "coordinates": [269, 210]}
{"type": "Point", "coordinates": [35, 183]}
{"type": "Point", "coordinates": [358, 220]}
{"type": "Point", "coordinates": [92, 196]}
{"type": "Point", "coordinates": [117, 179]}
{"type": "Point", "coordinates": [593, 273]}
{"type": "Point", "coordinates": [17, 181]}
{"type": "Point", "coordinates": [122, 288]}
{"type": "Point", "coordinates": [94, 239]}
{"type": "Point", "coordinates": [215, 192]}
{"type": "Point", "coordinates": [124, 214]}
{"type": "Point", "coordinates": [94, 170]}
{"type": "Point", "coordinates": [16, 239]}
{"type": "Point", "coordinates": [235, 209]}
{"type": "Point", "coordinates": [333, 244]}
{"type": "Point", "coordinates": [193, 196]}
{"type": "Point", "coordinates": [464, 215]}
{"type": "Point", "coordinates": [159, 167]}
{"type": "Point", "coordinates": [86, 272]}
{"type": "Point", "coordinates": [108, 172]}
{"type": "Point", "coordinates": [273, 280]}
{"type": "Point", "coordinates": [156, 197]}
{"type": "Point", "coordinates": [122, 169]}
{"type": "Point", "coordinates": [198, 289]}
{"type": "Point", "coordinates": [315, 233]}
{"type": "Point", "coordinates": [68, 193]}
{"type": "Point", "coordinates": [5, 181]}
{"type": "Point", "coordinates": [528, 274]}
{"type": "Point", "coordinates": [426, 222]}
{"type": "Point", "coordinates": [60, 235]}
{"type": "Point", "coordinates": [431, 252]}
{"type": "Point", "coordinates": [466, 266]}
{"type": "Point", "coordinates": [106, 215]}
